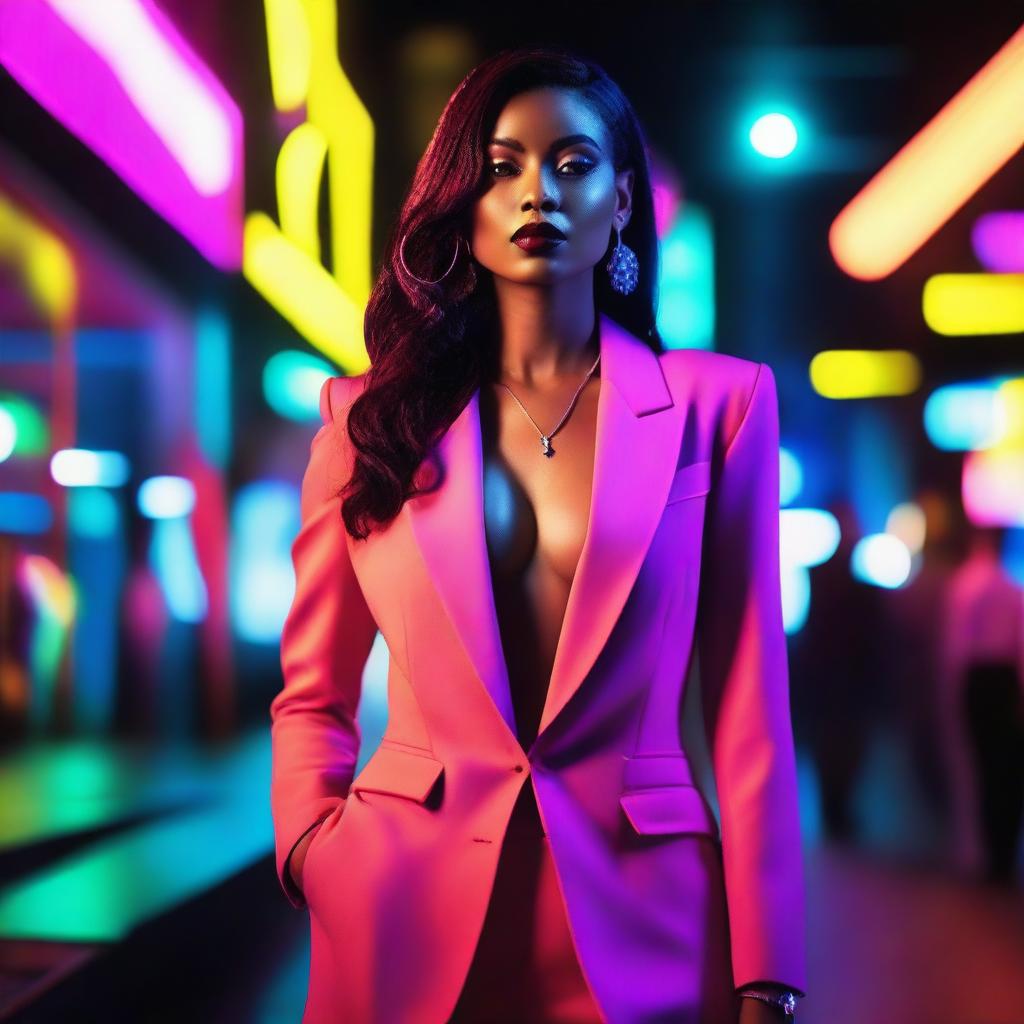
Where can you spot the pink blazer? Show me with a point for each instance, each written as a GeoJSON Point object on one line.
{"type": "Point", "coordinates": [681, 557]}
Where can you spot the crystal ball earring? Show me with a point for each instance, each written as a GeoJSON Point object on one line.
{"type": "Point", "coordinates": [623, 267]}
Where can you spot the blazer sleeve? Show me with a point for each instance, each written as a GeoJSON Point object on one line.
{"type": "Point", "coordinates": [326, 639]}
{"type": "Point", "coordinates": [744, 679]}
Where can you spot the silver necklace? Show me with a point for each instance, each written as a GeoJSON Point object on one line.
{"type": "Point", "coordinates": [545, 439]}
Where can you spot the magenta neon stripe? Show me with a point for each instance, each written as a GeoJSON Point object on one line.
{"type": "Point", "coordinates": [998, 241]}
{"type": "Point", "coordinates": [78, 86]}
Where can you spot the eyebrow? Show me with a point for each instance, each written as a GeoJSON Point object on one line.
{"type": "Point", "coordinates": [568, 140]}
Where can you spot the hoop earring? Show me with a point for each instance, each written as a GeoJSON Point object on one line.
{"type": "Point", "coordinates": [405, 266]}
{"type": "Point", "coordinates": [623, 267]}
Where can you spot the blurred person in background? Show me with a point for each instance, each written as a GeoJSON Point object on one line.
{"type": "Point", "coordinates": [983, 633]}
{"type": "Point", "coordinates": [840, 676]}
{"type": "Point", "coordinates": [914, 612]}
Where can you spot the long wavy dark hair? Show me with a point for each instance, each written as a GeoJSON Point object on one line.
{"type": "Point", "coordinates": [429, 345]}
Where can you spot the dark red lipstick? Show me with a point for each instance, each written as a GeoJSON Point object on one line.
{"type": "Point", "coordinates": [538, 236]}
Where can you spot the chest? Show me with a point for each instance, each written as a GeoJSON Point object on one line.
{"type": "Point", "coordinates": [536, 507]}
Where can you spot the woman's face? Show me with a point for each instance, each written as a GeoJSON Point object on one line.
{"type": "Point", "coordinates": [553, 164]}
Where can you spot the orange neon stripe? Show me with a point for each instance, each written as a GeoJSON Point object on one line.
{"type": "Point", "coordinates": [937, 171]}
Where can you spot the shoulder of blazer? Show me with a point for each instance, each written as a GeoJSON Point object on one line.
{"type": "Point", "coordinates": [331, 456]}
{"type": "Point", "coordinates": [723, 381]}
{"type": "Point", "coordinates": [338, 393]}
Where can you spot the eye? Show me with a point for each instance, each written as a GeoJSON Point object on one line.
{"type": "Point", "coordinates": [585, 166]}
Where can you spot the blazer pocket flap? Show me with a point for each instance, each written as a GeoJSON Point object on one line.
{"type": "Point", "coordinates": [664, 810]}
{"type": "Point", "coordinates": [399, 772]}
{"type": "Point", "coordinates": [654, 770]}
{"type": "Point", "coordinates": [690, 481]}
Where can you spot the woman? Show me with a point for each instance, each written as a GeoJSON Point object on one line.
{"type": "Point", "coordinates": [519, 495]}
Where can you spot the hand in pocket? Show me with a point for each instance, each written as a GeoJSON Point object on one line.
{"type": "Point", "coordinates": [298, 855]}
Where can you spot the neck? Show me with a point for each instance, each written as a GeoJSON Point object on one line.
{"type": "Point", "coordinates": [547, 334]}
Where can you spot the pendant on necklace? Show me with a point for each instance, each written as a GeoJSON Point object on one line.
{"type": "Point", "coordinates": [546, 446]}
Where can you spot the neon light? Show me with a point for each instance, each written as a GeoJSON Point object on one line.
{"type": "Point", "coordinates": [300, 165]}
{"type": "Point", "coordinates": [1010, 396]}
{"type": "Point", "coordinates": [791, 476]}
{"type": "Point", "coordinates": [773, 136]}
{"type": "Point", "coordinates": [304, 293]}
{"type": "Point", "coordinates": [978, 131]}
{"type": "Point", "coordinates": [809, 536]}
{"type": "Point", "coordinates": [992, 487]}
{"type": "Point", "coordinates": [289, 50]}
{"type": "Point", "coordinates": [213, 385]}
{"type": "Point", "coordinates": [962, 417]}
{"type": "Point", "coordinates": [173, 559]}
{"type": "Point", "coordinates": [166, 497]}
{"type": "Point", "coordinates": [882, 560]}
{"type": "Point", "coordinates": [335, 108]}
{"type": "Point", "coordinates": [123, 80]}
{"type": "Point", "coordinates": [292, 382]}
{"type": "Point", "coordinates": [998, 241]}
{"type": "Point", "coordinates": [666, 192]}
{"type": "Point", "coordinates": [186, 117]}
{"type": "Point", "coordinates": [8, 434]}
{"type": "Point", "coordinates": [51, 590]}
{"type": "Point", "coordinates": [56, 600]}
{"type": "Point", "coordinates": [864, 373]}
{"type": "Point", "coordinates": [907, 521]}
{"type": "Point", "coordinates": [796, 597]}
{"type": "Point", "coordinates": [957, 304]}
{"type": "Point", "coordinates": [45, 263]}
{"type": "Point", "coordinates": [686, 288]}
{"type": "Point", "coordinates": [325, 307]}
{"type": "Point", "coordinates": [31, 433]}
{"type": "Point", "coordinates": [80, 467]}
{"type": "Point", "coordinates": [264, 522]}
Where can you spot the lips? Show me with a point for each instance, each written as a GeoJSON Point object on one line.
{"type": "Point", "coordinates": [538, 237]}
{"type": "Point", "coordinates": [540, 230]}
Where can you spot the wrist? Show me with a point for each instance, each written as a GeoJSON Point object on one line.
{"type": "Point", "coordinates": [783, 1000]}
{"type": "Point", "coordinates": [298, 855]}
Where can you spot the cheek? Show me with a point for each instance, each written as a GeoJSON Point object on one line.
{"type": "Point", "coordinates": [490, 224]}
{"type": "Point", "coordinates": [592, 240]}
{"type": "Point", "coordinates": [593, 208]}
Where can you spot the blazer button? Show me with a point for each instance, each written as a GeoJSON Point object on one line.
{"type": "Point", "coordinates": [518, 768]}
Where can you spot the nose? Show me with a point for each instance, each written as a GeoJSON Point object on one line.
{"type": "Point", "coordinates": [547, 202]}
{"type": "Point", "coordinates": [548, 199]}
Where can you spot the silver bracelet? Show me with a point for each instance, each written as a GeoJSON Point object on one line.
{"type": "Point", "coordinates": [785, 1001]}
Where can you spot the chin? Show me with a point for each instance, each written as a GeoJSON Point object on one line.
{"type": "Point", "coordinates": [533, 267]}
{"type": "Point", "coordinates": [527, 275]}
